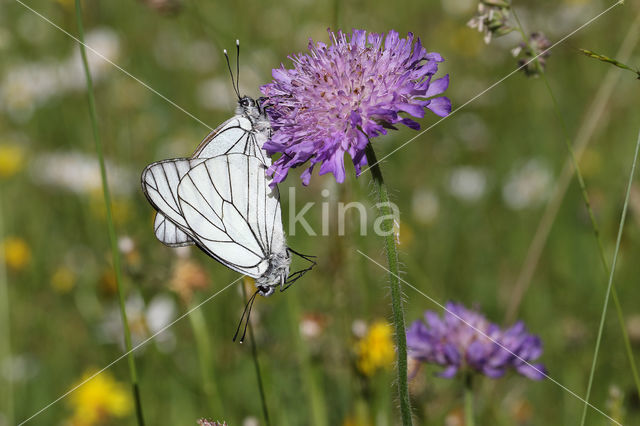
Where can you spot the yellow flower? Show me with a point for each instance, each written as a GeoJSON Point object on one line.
{"type": "Point", "coordinates": [99, 401]}
{"type": "Point", "coordinates": [11, 160]}
{"type": "Point", "coordinates": [16, 253]}
{"type": "Point", "coordinates": [63, 279]}
{"type": "Point", "coordinates": [375, 350]}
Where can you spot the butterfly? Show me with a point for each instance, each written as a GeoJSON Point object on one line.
{"type": "Point", "coordinates": [221, 200]}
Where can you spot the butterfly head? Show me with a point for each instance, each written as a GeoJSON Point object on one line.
{"type": "Point", "coordinates": [248, 106]}
{"type": "Point", "coordinates": [254, 111]}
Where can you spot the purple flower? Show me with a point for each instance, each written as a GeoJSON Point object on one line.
{"type": "Point", "coordinates": [337, 97]}
{"type": "Point", "coordinates": [465, 339]}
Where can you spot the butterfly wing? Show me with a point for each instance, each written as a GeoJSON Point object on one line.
{"type": "Point", "coordinates": [160, 185]}
{"type": "Point", "coordinates": [235, 135]}
{"type": "Point", "coordinates": [229, 207]}
{"type": "Point", "coordinates": [169, 233]}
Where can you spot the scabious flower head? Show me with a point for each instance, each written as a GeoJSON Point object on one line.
{"type": "Point", "coordinates": [465, 339]}
{"type": "Point", "coordinates": [338, 96]}
{"type": "Point", "coordinates": [538, 43]}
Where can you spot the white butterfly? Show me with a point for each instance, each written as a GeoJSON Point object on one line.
{"type": "Point", "coordinates": [220, 200]}
{"type": "Point", "coordinates": [243, 133]}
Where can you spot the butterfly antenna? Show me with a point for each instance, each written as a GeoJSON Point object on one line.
{"type": "Point", "coordinates": [238, 67]}
{"type": "Point", "coordinates": [233, 82]}
{"type": "Point", "coordinates": [247, 312]}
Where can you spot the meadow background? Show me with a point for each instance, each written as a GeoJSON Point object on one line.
{"type": "Point", "coordinates": [471, 192]}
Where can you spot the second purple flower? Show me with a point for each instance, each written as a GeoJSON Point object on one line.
{"type": "Point", "coordinates": [338, 96]}
{"type": "Point", "coordinates": [465, 339]}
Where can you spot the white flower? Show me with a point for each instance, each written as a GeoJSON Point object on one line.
{"type": "Point", "coordinates": [528, 185]}
{"type": "Point", "coordinates": [425, 206]}
{"type": "Point", "coordinates": [145, 320]}
{"type": "Point", "coordinates": [359, 328]}
{"type": "Point", "coordinates": [467, 183]}
{"type": "Point", "coordinates": [104, 41]}
{"type": "Point", "coordinates": [80, 173]}
{"type": "Point", "coordinates": [26, 86]}
{"type": "Point", "coordinates": [19, 368]}
{"type": "Point", "coordinates": [126, 244]}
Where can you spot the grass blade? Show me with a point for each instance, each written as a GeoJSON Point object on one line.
{"type": "Point", "coordinates": [110, 226]}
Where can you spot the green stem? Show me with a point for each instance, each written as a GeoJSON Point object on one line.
{"type": "Point", "coordinates": [468, 400]}
{"type": "Point", "coordinates": [396, 293]}
{"type": "Point", "coordinates": [5, 329]}
{"type": "Point", "coordinates": [110, 226]}
{"type": "Point", "coordinates": [611, 289]}
{"type": "Point", "coordinates": [254, 354]}
{"type": "Point", "coordinates": [203, 346]}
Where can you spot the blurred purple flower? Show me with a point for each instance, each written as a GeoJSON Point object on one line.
{"type": "Point", "coordinates": [465, 339]}
{"type": "Point", "coordinates": [337, 97]}
{"type": "Point", "coordinates": [537, 48]}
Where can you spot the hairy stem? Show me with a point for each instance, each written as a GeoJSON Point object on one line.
{"type": "Point", "coordinates": [396, 293]}
{"type": "Point", "coordinates": [110, 226]}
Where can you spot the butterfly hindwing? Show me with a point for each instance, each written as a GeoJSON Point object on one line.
{"type": "Point", "coordinates": [160, 184]}
{"type": "Point", "coordinates": [169, 233]}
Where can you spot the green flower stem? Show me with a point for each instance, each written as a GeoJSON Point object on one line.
{"type": "Point", "coordinates": [5, 331]}
{"type": "Point", "coordinates": [111, 229]}
{"type": "Point", "coordinates": [254, 354]}
{"type": "Point", "coordinates": [468, 400]}
{"type": "Point", "coordinates": [203, 347]}
{"type": "Point", "coordinates": [396, 292]}
{"type": "Point", "coordinates": [611, 289]}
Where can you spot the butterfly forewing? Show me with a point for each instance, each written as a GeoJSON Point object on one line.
{"type": "Point", "coordinates": [231, 189]}
{"type": "Point", "coordinates": [233, 136]}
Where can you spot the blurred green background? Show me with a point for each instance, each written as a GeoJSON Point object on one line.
{"type": "Point", "coordinates": [471, 191]}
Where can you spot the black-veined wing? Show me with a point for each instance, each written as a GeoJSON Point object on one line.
{"type": "Point", "coordinates": [235, 135]}
{"type": "Point", "coordinates": [232, 213]}
{"type": "Point", "coordinates": [160, 184]}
